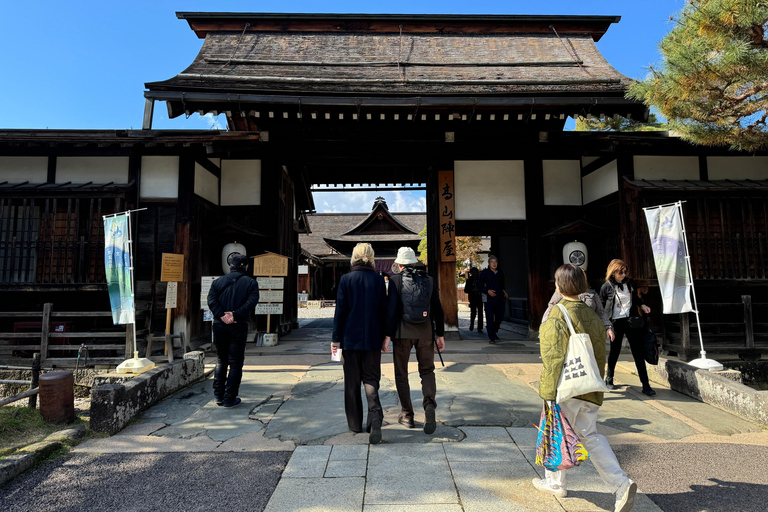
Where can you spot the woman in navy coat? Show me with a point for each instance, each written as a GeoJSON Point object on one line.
{"type": "Point", "coordinates": [359, 329]}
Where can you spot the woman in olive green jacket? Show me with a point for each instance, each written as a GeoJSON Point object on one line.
{"type": "Point", "coordinates": [580, 411]}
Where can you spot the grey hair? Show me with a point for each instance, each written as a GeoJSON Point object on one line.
{"type": "Point", "coordinates": [362, 254]}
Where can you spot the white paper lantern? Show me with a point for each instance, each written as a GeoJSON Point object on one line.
{"type": "Point", "coordinates": [576, 253]}
{"type": "Point", "coordinates": [227, 251]}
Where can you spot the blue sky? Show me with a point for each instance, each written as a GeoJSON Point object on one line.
{"type": "Point", "coordinates": [83, 64]}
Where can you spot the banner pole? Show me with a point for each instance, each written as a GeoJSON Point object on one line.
{"type": "Point", "coordinates": [702, 362]}
{"type": "Point", "coordinates": [133, 285]}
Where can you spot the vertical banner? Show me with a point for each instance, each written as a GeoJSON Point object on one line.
{"type": "Point", "coordinates": [665, 226]}
{"type": "Point", "coordinates": [117, 266]}
{"type": "Point", "coordinates": [447, 219]}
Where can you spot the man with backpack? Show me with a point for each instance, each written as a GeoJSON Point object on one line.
{"type": "Point", "coordinates": [413, 307]}
{"type": "Point", "coordinates": [231, 300]}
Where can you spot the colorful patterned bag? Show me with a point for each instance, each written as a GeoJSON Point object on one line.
{"type": "Point", "coordinates": [558, 447]}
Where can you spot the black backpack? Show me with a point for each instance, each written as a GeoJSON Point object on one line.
{"type": "Point", "coordinates": [415, 293]}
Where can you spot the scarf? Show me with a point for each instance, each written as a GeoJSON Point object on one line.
{"type": "Point", "coordinates": [361, 266]}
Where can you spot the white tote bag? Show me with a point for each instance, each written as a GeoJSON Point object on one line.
{"type": "Point", "coordinates": [580, 373]}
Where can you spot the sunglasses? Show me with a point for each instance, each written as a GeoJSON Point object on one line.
{"type": "Point", "coordinates": [622, 272]}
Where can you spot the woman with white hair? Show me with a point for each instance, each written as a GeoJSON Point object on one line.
{"type": "Point", "coordinates": [359, 329]}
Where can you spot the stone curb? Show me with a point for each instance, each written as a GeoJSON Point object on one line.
{"type": "Point", "coordinates": [14, 465]}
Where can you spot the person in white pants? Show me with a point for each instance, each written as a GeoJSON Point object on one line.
{"type": "Point", "coordinates": [580, 411]}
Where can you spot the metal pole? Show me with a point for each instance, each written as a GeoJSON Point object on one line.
{"type": "Point", "coordinates": [133, 286]}
{"type": "Point", "coordinates": [690, 277]}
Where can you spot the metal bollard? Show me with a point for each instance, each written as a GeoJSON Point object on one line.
{"type": "Point", "coordinates": [57, 397]}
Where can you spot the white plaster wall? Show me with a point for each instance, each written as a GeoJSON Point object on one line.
{"type": "Point", "coordinates": [18, 169]}
{"type": "Point", "coordinates": [489, 189]}
{"type": "Point", "coordinates": [737, 167]}
{"type": "Point", "coordinates": [206, 184]}
{"type": "Point", "coordinates": [159, 177]}
{"type": "Point", "coordinates": [600, 183]}
{"type": "Point", "coordinates": [240, 182]}
{"type": "Point", "coordinates": [562, 182]}
{"type": "Point", "coordinates": [98, 169]}
{"type": "Point", "coordinates": [648, 167]}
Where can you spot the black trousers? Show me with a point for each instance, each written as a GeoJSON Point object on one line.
{"type": "Point", "coordinates": [230, 353]}
{"type": "Point", "coordinates": [361, 367]}
{"type": "Point", "coordinates": [475, 308]}
{"type": "Point", "coordinates": [494, 314]}
{"type": "Point", "coordinates": [425, 356]}
{"type": "Point", "coordinates": [636, 339]}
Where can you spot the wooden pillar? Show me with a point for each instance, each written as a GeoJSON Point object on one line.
{"type": "Point", "coordinates": [627, 220]}
{"type": "Point", "coordinates": [538, 270]}
{"type": "Point", "coordinates": [182, 318]}
{"type": "Point", "coordinates": [441, 222]}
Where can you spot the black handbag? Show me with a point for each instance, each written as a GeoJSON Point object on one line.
{"type": "Point", "coordinates": [651, 348]}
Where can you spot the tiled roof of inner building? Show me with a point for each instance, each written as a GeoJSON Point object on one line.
{"type": "Point", "coordinates": [332, 225]}
{"type": "Point", "coordinates": [365, 62]}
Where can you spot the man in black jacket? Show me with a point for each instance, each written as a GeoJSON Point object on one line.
{"type": "Point", "coordinates": [231, 300]}
{"type": "Point", "coordinates": [410, 334]}
{"type": "Point", "coordinates": [492, 284]}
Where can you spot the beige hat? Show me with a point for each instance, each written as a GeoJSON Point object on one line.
{"type": "Point", "coordinates": [406, 256]}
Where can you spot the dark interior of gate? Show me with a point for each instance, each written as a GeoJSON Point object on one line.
{"type": "Point", "coordinates": [469, 108]}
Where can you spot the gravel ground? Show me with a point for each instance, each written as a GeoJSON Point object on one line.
{"type": "Point", "coordinates": [683, 477]}
{"type": "Point", "coordinates": [140, 482]}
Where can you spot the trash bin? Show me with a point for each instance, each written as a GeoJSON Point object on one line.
{"type": "Point", "coordinates": [57, 397]}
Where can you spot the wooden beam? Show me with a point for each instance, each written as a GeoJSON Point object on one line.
{"type": "Point", "coordinates": [182, 245]}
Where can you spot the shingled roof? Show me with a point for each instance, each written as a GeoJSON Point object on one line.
{"type": "Point", "coordinates": [398, 55]}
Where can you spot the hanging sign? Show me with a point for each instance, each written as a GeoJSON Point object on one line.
{"type": "Point", "coordinates": [205, 287]}
{"type": "Point", "coordinates": [266, 308]}
{"type": "Point", "coordinates": [270, 283]}
{"type": "Point", "coordinates": [170, 295]}
{"type": "Point", "coordinates": [446, 215]}
{"type": "Point", "coordinates": [117, 267]}
{"type": "Point", "coordinates": [172, 268]}
{"type": "Point", "coordinates": [270, 295]}
{"type": "Point", "coordinates": [270, 264]}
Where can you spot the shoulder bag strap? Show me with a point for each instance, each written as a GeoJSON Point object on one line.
{"type": "Point", "coordinates": [567, 319]}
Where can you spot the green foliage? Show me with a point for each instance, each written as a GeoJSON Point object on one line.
{"type": "Point", "coordinates": [618, 124]}
{"type": "Point", "coordinates": [423, 245]}
{"type": "Point", "coordinates": [712, 83]}
{"type": "Point", "coordinates": [467, 248]}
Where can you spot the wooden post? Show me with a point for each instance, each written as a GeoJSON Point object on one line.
{"type": "Point", "coordinates": [685, 333]}
{"type": "Point", "coordinates": [35, 379]}
{"type": "Point", "coordinates": [538, 271]}
{"type": "Point", "coordinates": [445, 239]}
{"type": "Point", "coordinates": [167, 329]}
{"type": "Point", "coordinates": [749, 326]}
{"type": "Point", "coordinates": [182, 322]}
{"type": "Point", "coordinates": [45, 331]}
{"type": "Point", "coordinates": [129, 341]}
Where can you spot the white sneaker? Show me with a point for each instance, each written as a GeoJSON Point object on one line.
{"type": "Point", "coordinates": [625, 496]}
{"type": "Point", "coordinates": [543, 486]}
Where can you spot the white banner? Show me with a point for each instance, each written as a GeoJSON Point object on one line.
{"type": "Point", "coordinates": [665, 226]}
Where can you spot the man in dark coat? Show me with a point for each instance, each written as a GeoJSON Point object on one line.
{"type": "Point", "coordinates": [231, 300]}
{"type": "Point", "coordinates": [358, 329]}
{"type": "Point", "coordinates": [475, 301]}
{"type": "Point", "coordinates": [407, 335]}
{"type": "Point", "coordinates": [492, 285]}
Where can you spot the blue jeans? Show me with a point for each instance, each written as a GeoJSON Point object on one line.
{"type": "Point", "coordinates": [494, 314]}
{"type": "Point", "coordinates": [230, 352]}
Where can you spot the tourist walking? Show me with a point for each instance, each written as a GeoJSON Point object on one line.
{"type": "Point", "coordinates": [415, 316]}
{"type": "Point", "coordinates": [580, 411]}
{"type": "Point", "coordinates": [231, 299]}
{"type": "Point", "coordinates": [358, 329]}
{"type": "Point", "coordinates": [624, 305]}
{"type": "Point", "coordinates": [475, 300]}
{"type": "Point", "coordinates": [492, 285]}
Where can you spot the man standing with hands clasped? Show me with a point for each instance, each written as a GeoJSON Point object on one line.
{"type": "Point", "coordinates": [413, 307]}
{"type": "Point", "coordinates": [491, 283]}
{"type": "Point", "coordinates": [231, 300]}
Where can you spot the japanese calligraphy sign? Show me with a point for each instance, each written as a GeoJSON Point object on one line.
{"type": "Point", "coordinates": [270, 264]}
{"type": "Point", "coordinates": [447, 216]}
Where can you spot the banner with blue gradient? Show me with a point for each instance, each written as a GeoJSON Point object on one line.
{"type": "Point", "coordinates": [117, 265]}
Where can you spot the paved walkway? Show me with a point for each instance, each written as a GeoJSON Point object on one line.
{"type": "Point", "coordinates": [291, 432]}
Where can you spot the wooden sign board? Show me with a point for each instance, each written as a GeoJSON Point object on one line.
{"type": "Point", "coordinates": [269, 309]}
{"type": "Point", "coordinates": [447, 215]}
{"type": "Point", "coordinates": [314, 304]}
{"type": "Point", "coordinates": [270, 264]}
{"type": "Point", "coordinates": [171, 293]}
{"type": "Point", "coordinates": [270, 295]}
{"type": "Point", "coordinates": [172, 267]}
{"type": "Point", "coordinates": [206, 282]}
{"type": "Point", "coordinates": [270, 283]}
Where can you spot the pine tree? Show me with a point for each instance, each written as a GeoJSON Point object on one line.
{"type": "Point", "coordinates": [618, 124]}
{"type": "Point", "coordinates": [712, 85]}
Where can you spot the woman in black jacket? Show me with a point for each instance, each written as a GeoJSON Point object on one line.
{"type": "Point", "coordinates": [624, 305]}
{"type": "Point", "coordinates": [359, 325]}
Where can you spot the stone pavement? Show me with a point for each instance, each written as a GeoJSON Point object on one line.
{"type": "Point", "coordinates": [291, 430]}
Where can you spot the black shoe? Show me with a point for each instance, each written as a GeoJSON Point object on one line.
{"type": "Point", "coordinates": [375, 437]}
{"type": "Point", "coordinates": [471, 327]}
{"type": "Point", "coordinates": [480, 331]}
{"type": "Point", "coordinates": [648, 391]}
{"type": "Point", "coordinates": [492, 341]}
{"type": "Point", "coordinates": [218, 401]}
{"type": "Point", "coordinates": [429, 423]}
{"type": "Point", "coordinates": [407, 421]}
{"type": "Point", "coordinates": [233, 403]}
